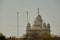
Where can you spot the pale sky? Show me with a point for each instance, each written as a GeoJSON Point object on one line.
{"type": "Point", "coordinates": [49, 10]}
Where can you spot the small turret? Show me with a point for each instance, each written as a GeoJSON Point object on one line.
{"type": "Point", "coordinates": [48, 28]}
{"type": "Point", "coordinates": [48, 25]}
{"type": "Point", "coordinates": [44, 24]}
{"type": "Point", "coordinates": [28, 26]}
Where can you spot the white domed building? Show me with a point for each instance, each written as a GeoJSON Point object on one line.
{"type": "Point", "coordinates": [39, 27]}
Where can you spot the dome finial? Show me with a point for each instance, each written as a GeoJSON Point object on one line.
{"type": "Point", "coordinates": [38, 11]}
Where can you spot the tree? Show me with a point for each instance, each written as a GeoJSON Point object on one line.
{"type": "Point", "coordinates": [2, 37]}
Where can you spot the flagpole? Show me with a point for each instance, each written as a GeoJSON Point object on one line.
{"type": "Point", "coordinates": [17, 24]}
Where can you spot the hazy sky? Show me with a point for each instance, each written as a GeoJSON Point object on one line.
{"type": "Point", "coordinates": [49, 10]}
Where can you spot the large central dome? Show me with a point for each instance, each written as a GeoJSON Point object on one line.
{"type": "Point", "coordinates": [39, 18]}
{"type": "Point", "coordinates": [37, 22]}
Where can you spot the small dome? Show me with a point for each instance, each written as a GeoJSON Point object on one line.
{"type": "Point", "coordinates": [28, 25]}
{"type": "Point", "coordinates": [44, 24]}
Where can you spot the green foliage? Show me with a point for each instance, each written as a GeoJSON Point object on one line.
{"type": "Point", "coordinates": [2, 37]}
{"type": "Point", "coordinates": [31, 37]}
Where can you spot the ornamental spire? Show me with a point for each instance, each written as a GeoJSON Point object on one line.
{"type": "Point", "coordinates": [38, 11]}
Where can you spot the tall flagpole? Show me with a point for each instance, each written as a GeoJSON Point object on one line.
{"type": "Point", "coordinates": [17, 24]}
